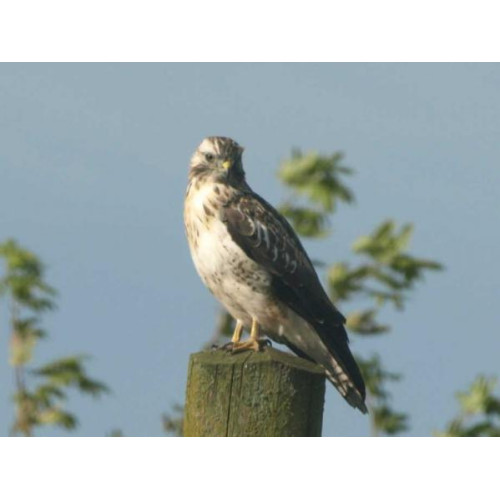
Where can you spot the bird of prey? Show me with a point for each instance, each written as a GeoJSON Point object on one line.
{"type": "Point", "coordinates": [250, 258]}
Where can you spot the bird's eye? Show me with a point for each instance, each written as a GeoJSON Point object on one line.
{"type": "Point", "coordinates": [209, 156]}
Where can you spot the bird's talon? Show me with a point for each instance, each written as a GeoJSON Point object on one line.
{"type": "Point", "coordinates": [228, 347]}
{"type": "Point", "coordinates": [250, 345]}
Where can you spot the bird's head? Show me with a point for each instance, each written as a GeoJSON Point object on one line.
{"type": "Point", "coordinates": [219, 158]}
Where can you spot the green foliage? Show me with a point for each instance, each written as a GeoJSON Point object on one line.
{"type": "Point", "coordinates": [173, 422]}
{"type": "Point", "coordinates": [384, 418]}
{"type": "Point", "coordinates": [479, 411]}
{"type": "Point", "coordinates": [364, 322]}
{"type": "Point", "coordinates": [384, 274]}
{"type": "Point", "coordinates": [25, 334]}
{"type": "Point", "coordinates": [223, 328]}
{"type": "Point", "coordinates": [318, 180]}
{"type": "Point", "coordinates": [307, 222]}
{"type": "Point", "coordinates": [382, 271]}
{"type": "Point", "coordinates": [23, 279]}
{"type": "Point", "coordinates": [28, 295]}
{"type": "Point", "coordinates": [386, 271]}
{"type": "Point", "coordinates": [389, 270]}
{"type": "Point", "coordinates": [70, 372]}
{"type": "Point", "coordinates": [115, 433]}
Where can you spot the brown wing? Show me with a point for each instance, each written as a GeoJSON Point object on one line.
{"type": "Point", "coordinates": [267, 238]}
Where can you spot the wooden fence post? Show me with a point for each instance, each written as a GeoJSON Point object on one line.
{"type": "Point", "coordinates": [271, 393]}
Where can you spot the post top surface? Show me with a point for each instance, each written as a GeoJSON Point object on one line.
{"type": "Point", "coordinates": [268, 355]}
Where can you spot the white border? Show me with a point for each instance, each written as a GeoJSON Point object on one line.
{"type": "Point", "coordinates": [245, 468]}
{"type": "Point", "coordinates": [223, 30]}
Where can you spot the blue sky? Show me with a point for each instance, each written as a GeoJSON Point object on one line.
{"type": "Point", "coordinates": [93, 167]}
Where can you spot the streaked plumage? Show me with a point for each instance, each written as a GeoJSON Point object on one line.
{"type": "Point", "coordinates": [250, 258]}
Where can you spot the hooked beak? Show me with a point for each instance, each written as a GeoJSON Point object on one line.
{"type": "Point", "coordinates": [227, 164]}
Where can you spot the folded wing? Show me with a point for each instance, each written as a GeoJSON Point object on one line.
{"type": "Point", "coordinates": [267, 238]}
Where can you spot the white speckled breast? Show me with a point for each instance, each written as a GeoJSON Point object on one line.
{"type": "Point", "coordinates": [237, 281]}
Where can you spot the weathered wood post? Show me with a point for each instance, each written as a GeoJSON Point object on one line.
{"type": "Point", "coordinates": [270, 393]}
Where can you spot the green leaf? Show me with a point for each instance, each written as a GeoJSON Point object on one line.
{"type": "Point", "coordinates": [116, 433]}
{"type": "Point", "coordinates": [376, 376]}
{"type": "Point", "coordinates": [318, 178]}
{"type": "Point", "coordinates": [479, 411]}
{"type": "Point", "coordinates": [364, 322]}
{"type": "Point", "coordinates": [59, 417]}
{"type": "Point", "coordinates": [307, 222]}
{"type": "Point", "coordinates": [46, 393]}
{"type": "Point", "coordinates": [21, 349]}
{"type": "Point", "coordinates": [224, 327]}
{"type": "Point", "coordinates": [70, 371]}
{"type": "Point", "coordinates": [344, 282]}
{"type": "Point", "coordinates": [23, 279]}
{"type": "Point", "coordinates": [476, 399]}
{"type": "Point", "coordinates": [384, 418]}
{"type": "Point", "coordinates": [24, 284]}
{"type": "Point", "coordinates": [388, 421]}
{"type": "Point", "coordinates": [173, 422]}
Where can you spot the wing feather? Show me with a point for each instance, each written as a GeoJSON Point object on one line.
{"type": "Point", "coordinates": [267, 238]}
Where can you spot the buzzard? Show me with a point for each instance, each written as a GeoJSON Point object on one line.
{"type": "Point", "coordinates": [250, 258]}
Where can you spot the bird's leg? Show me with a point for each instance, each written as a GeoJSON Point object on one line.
{"type": "Point", "coordinates": [255, 343]}
{"type": "Point", "coordinates": [235, 339]}
{"type": "Point", "coordinates": [237, 332]}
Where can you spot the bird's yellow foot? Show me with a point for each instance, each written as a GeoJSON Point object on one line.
{"type": "Point", "coordinates": [256, 345]}
{"type": "Point", "coordinates": [228, 346]}
{"type": "Point", "coordinates": [249, 345]}
{"type": "Point", "coordinates": [235, 339]}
